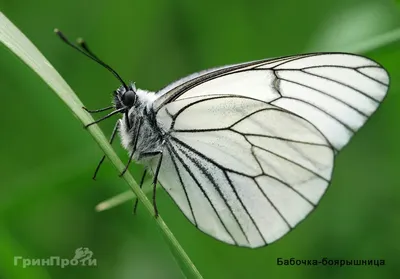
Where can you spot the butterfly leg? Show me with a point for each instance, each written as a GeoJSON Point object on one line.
{"type": "Point", "coordinates": [98, 110]}
{"type": "Point", "coordinates": [136, 134]}
{"type": "Point", "coordinates": [114, 132]}
{"type": "Point", "coordinates": [106, 116]}
{"type": "Point", "coordinates": [155, 179]}
{"type": "Point", "coordinates": [140, 185]}
{"type": "Point", "coordinates": [127, 122]}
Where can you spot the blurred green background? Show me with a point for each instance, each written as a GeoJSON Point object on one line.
{"type": "Point", "coordinates": [47, 196]}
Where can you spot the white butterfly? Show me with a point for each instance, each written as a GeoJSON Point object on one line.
{"type": "Point", "coordinates": [247, 151]}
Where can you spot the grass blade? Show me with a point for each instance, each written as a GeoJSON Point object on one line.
{"type": "Point", "coordinates": [375, 42]}
{"type": "Point", "coordinates": [115, 200]}
{"type": "Point", "coordinates": [123, 197]}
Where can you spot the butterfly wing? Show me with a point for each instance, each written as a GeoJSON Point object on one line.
{"type": "Point", "coordinates": [337, 92]}
{"type": "Point", "coordinates": [249, 148]}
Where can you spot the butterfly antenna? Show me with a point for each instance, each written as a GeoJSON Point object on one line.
{"type": "Point", "coordinates": [81, 42]}
{"type": "Point", "coordinates": [86, 51]}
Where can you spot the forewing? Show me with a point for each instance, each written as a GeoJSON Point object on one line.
{"type": "Point", "coordinates": [336, 92]}
{"type": "Point", "coordinates": [242, 170]}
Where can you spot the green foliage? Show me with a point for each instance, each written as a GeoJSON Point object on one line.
{"type": "Point", "coordinates": [47, 197]}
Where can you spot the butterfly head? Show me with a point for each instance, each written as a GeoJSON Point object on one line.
{"type": "Point", "coordinates": [125, 97]}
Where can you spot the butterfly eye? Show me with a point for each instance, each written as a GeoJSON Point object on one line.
{"type": "Point", "coordinates": [129, 98]}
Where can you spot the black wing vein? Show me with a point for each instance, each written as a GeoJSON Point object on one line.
{"type": "Point", "coordinates": [202, 190]}
{"type": "Point", "coordinates": [240, 173]}
{"type": "Point", "coordinates": [181, 182]}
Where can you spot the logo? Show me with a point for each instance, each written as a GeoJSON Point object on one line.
{"type": "Point", "coordinates": [83, 257]}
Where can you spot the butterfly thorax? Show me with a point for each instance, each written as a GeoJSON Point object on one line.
{"type": "Point", "coordinates": [138, 128]}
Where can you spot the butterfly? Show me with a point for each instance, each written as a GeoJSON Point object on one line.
{"type": "Point", "coordinates": [247, 151]}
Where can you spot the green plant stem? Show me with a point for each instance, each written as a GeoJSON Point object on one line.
{"type": "Point", "coordinates": [375, 42]}
{"type": "Point", "coordinates": [123, 197]}
{"type": "Point", "coordinates": [115, 200]}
